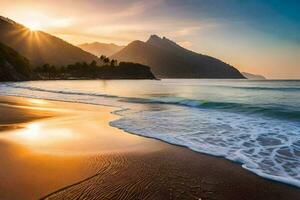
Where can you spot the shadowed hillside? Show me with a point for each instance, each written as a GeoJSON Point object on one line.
{"type": "Point", "coordinates": [13, 66]}
{"type": "Point", "coordinates": [40, 47]}
{"type": "Point", "coordinates": [98, 48]}
{"type": "Point", "coordinates": [169, 60]}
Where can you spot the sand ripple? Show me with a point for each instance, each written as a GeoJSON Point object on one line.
{"type": "Point", "coordinates": [148, 176]}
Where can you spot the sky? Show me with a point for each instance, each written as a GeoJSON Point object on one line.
{"type": "Point", "coordinates": [256, 36]}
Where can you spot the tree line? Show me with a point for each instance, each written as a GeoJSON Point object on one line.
{"type": "Point", "coordinates": [107, 68]}
{"type": "Point", "coordinates": [78, 69]}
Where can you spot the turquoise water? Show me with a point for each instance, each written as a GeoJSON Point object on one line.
{"type": "Point", "coordinates": [254, 123]}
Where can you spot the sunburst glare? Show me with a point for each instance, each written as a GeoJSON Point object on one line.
{"type": "Point", "coordinates": [33, 131]}
{"type": "Point", "coordinates": [33, 25]}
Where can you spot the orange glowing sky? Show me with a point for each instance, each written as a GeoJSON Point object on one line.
{"type": "Point", "coordinates": [253, 36]}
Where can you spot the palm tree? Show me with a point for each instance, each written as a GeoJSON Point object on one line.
{"type": "Point", "coordinates": [102, 57]}
{"type": "Point", "coordinates": [106, 60]}
{"type": "Point", "coordinates": [112, 62]}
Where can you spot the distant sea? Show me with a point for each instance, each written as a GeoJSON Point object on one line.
{"type": "Point", "coordinates": [253, 123]}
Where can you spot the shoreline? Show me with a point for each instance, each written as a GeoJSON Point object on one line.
{"type": "Point", "coordinates": [261, 175]}
{"type": "Point", "coordinates": [126, 166]}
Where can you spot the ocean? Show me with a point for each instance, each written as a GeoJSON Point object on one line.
{"type": "Point", "coordinates": [253, 123]}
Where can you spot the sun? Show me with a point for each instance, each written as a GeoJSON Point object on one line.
{"type": "Point", "coordinates": [33, 25]}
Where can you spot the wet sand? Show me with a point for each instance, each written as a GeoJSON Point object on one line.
{"type": "Point", "coordinates": [56, 150]}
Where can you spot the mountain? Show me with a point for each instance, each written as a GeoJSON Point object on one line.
{"type": "Point", "coordinates": [169, 60]}
{"type": "Point", "coordinates": [40, 47]}
{"type": "Point", "coordinates": [253, 76]}
{"type": "Point", "coordinates": [99, 49]}
{"type": "Point", "coordinates": [13, 66]}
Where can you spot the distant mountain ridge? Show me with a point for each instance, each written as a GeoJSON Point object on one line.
{"type": "Point", "coordinates": [98, 49]}
{"type": "Point", "coordinates": [169, 60]}
{"type": "Point", "coordinates": [40, 47]}
{"type": "Point", "coordinates": [253, 76]}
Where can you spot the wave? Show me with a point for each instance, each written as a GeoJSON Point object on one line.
{"type": "Point", "coordinates": [61, 91]}
{"type": "Point", "coordinates": [283, 89]}
{"type": "Point", "coordinates": [276, 111]}
{"type": "Point", "coordinates": [272, 111]}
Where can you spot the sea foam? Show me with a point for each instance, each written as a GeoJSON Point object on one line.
{"type": "Point", "coordinates": [268, 147]}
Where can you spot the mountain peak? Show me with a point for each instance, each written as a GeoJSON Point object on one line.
{"type": "Point", "coordinates": [158, 41]}
{"type": "Point", "coordinates": [153, 39]}
{"type": "Point", "coordinates": [164, 43]}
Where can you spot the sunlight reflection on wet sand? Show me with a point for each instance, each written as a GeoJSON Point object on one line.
{"type": "Point", "coordinates": [54, 140]}
{"type": "Point", "coordinates": [79, 132]}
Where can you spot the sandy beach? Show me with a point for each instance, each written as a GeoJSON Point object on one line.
{"type": "Point", "coordinates": [57, 150]}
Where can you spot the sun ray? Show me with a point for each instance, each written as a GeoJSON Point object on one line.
{"type": "Point", "coordinates": [33, 25]}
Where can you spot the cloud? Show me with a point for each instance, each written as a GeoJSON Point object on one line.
{"type": "Point", "coordinates": [195, 29]}
{"type": "Point", "coordinates": [185, 44]}
{"type": "Point", "coordinates": [137, 8]}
